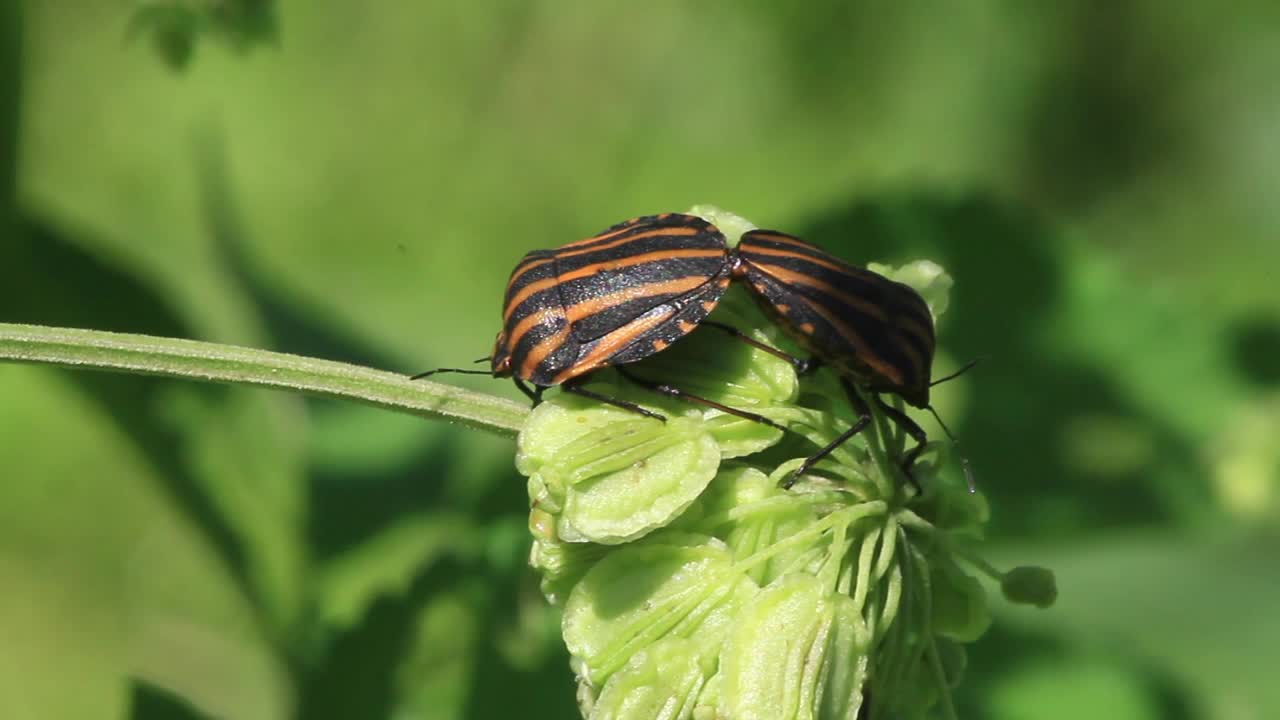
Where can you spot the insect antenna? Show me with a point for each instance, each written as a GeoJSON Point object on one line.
{"type": "Point", "coordinates": [964, 461]}
{"type": "Point", "coordinates": [461, 371]}
{"type": "Point", "coordinates": [963, 369]}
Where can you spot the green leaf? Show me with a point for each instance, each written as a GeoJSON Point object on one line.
{"type": "Point", "coordinates": [89, 536]}
{"type": "Point", "coordinates": [386, 564]}
{"type": "Point", "coordinates": [434, 678]}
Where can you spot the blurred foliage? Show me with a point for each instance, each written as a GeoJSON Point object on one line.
{"type": "Point", "coordinates": [1098, 177]}
{"type": "Point", "coordinates": [175, 27]}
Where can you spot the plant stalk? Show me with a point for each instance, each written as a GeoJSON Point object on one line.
{"type": "Point", "coordinates": [212, 362]}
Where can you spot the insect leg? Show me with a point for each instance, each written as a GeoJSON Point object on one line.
{"type": "Point", "coordinates": [534, 395]}
{"type": "Point", "coordinates": [864, 419]}
{"type": "Point", "coordinates": [577, 389]}
{"type": "Point", "coordinates": [964, 461]}
{"type": "Point", "coordinates": [911, 428]}
{"type": "Point", "coordinates": [669, 391]}
{"type": "Point", "coordinates": [803, 366]}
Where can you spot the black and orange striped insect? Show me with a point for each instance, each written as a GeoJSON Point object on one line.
{"type": "Point", "coordinates": [609, 300]}
{"type": "Point", "coordinates": [872, 331]}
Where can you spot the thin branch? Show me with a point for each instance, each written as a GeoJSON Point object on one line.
{"type": "Point", "coordinates": [211, 362]}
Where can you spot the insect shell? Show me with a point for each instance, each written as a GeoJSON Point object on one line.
{"type": "Point", "coordinates": [860, 323]}
{"type": "Point", "coordinates": [614, 298]}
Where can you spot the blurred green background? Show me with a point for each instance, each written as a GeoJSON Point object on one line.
{"type": "Point", "coordinates": [355, 181]}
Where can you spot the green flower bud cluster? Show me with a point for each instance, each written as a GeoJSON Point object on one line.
{"type": "Point", "coordinates": [693, 586]}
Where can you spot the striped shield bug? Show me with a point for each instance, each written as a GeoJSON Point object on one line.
{"type": "Point", "coordinates": [876, 334]}
{"type": "Point", "coordinates": [607, 301]}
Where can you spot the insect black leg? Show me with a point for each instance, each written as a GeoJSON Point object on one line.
{"type": "Point", "coordinates": [803, 366]}
{"type": "Point", "coordinates": [579, 390]}
{"type": "Point", "coordinates": [864, 418]}
{"type": "Point", "coordinates": [669, 391]}
{"type": "Point", "coordinates": [534, 395]}
{"type": "Point", "coordinates": [911, 428]}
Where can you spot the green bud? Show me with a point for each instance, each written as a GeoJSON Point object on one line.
{"type": "Point", "coordinates": [1030, 585]}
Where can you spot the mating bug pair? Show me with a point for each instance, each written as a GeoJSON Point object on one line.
{"type": "Point", "coordinates": [632, 290]}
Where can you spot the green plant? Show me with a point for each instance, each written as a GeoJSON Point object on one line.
{"type": "Point", "coordinates": [692, 585]}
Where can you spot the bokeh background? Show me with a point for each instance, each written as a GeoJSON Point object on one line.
{"type": "Point", "coordinates": [355, 181]}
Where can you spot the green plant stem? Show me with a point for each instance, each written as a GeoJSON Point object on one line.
{"type": "Point", "coordinates": [211, 362]}
{"type": "Point", "coordinates": [976, 561]}
{"type": "Point", "coordinates": [878, 437]}
{"type": "Point", "coordinates": [940, 677]}
{"type": "Point", "coordinates": [815, 530]}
